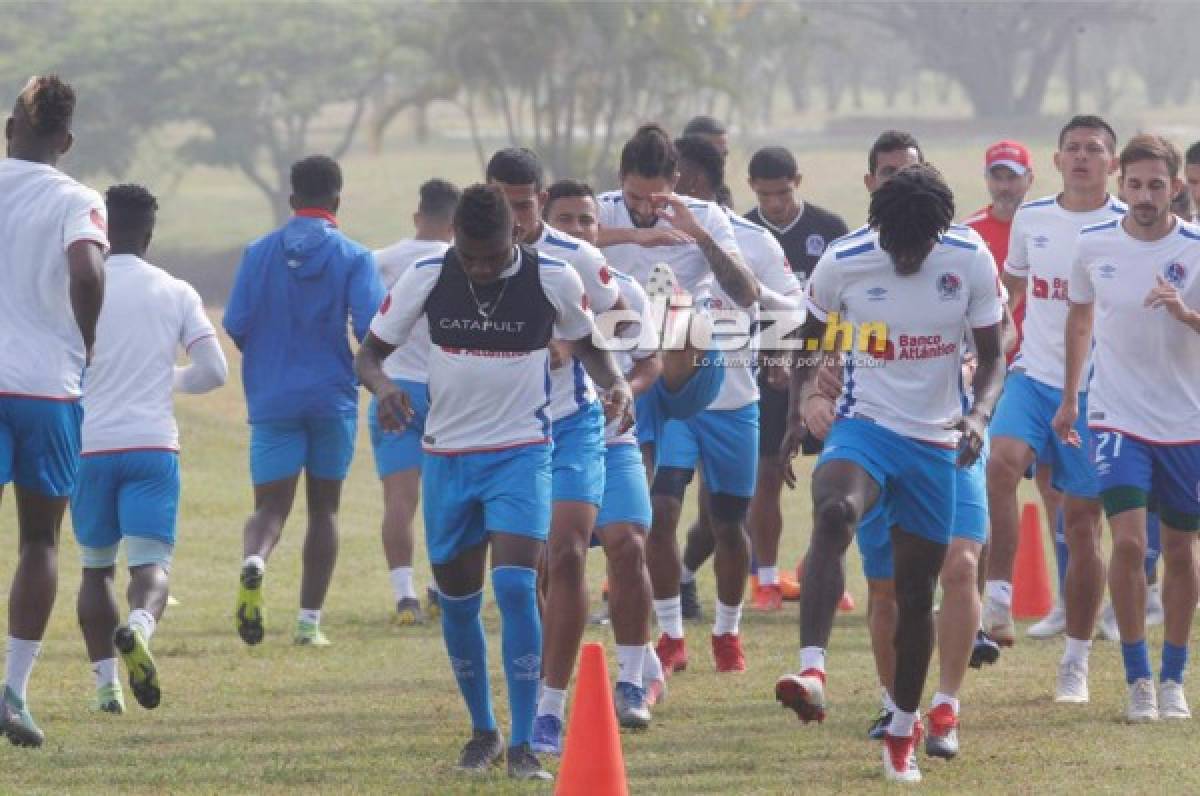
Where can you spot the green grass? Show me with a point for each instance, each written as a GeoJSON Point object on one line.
{"type": "Point", "coordinates": [379, 711]}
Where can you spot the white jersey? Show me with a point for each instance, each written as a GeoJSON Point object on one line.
{"type": "Point", "coordinates": [571, 389]}
{"type": "Point", "coordinates": [409, 361]}
{"type": "Point", "coordinates": [636, 301]}
{"type": "Point", "coordinates": [1146, 382]}
{"type": "Point", "coordinates": [1041, 249]}
{"type": "Point", "coordinates": [765, 258]}
{"type": "Point", "coordinates": [914, 386]}
{"type": "Point", "coordinates": [688, 263]}
{"type": "Point", "coordinates": [42, 212]}
{"type": "Point", "coordinates": [148, 317]}
{"type": "Point", "coordinates": [486, 398]}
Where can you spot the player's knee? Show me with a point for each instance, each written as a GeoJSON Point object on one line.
{"type": "Point", "coordinates": [1130, 549]}
{"type": "Point", "coordinates": [1003, 473]}
{"type": "Point", "coordinates": [565, 559]}
{"type": "Point", "coordinates": [671, 482]}
{"type": "Point", "coordinates": [728, 510]}
{"type": "Point", "coordinates": [626, 554]}
{"type": "Point", "coordinates": [834, 515]}
{"type": "Point", "coordinates": [960, 572]}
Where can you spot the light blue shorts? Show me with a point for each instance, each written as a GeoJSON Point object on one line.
{"type": "Point", "coordinates": [658, 404]}
{"type": "Point", "coordinates": [626, 493]}
{"type": "Point", "coordinates": [725, 441]}
{"type": "Point", "coordinates": [324, 446]}
{"type": "Point", "coordinates": [40, 440]}
{"type": "Point", "coordinates": [126, 494]}
{"type": "Point", "coordinates": [578, 458]}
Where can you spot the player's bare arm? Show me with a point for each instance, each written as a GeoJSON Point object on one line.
{"type": "Point", "coordinates": [803, 386]}
{"type": "Point", "coordinates": [986, 387]}
{"type": "Point", "coordinates": [1015, 285]}
{"type": "Point", "coordinates": [651, 236]}
{"type": "Point", "coordinates": [395, 407]}
{"type": "Point", "coordinates": [601, 366]}
{"type": "Point", "coordinates": [1079, 341]}
{"type": "Point", "coordinates": [732, 274]}
{"type": "Point", "coordinates": [85, 262]}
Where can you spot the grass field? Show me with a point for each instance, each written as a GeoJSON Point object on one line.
{"type": "Point", "coordinates": [379, 711]}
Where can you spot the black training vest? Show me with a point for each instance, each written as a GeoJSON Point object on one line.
{"type": "Point", "coordinates": [524, 320]}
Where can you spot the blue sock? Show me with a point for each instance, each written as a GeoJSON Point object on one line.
{"type": "Point", "coordinates": [1173, 660]}
{"type": "Point", "coordinates": [462, 629]}
{"type": "Point", "coordinates": [1060, 551]}
{"type": "Point", "coordinates": [521, 634]}
{"type": "Point", "coordinates": [1137, 660]}
{"type": "Point", "coordinates": [1153, 545]}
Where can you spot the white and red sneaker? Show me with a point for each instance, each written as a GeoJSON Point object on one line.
{"type": "Point", "coordinates": [803, 693]}
{"type": "Point", "coordinates": [900, 756]}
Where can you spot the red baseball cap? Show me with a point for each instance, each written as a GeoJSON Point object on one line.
{"type": "Point", "coordinates": [1012, 154]}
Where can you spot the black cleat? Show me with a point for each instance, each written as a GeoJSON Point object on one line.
{"type": "Point", "coordinates": [433, 611]}
{"type": "Point", "coordinates": [879, 727]}
{"type": "Point", "coordinates": [689, 601]}
{"type": "Point", "coordinates": [984, 651]}
{"type": "Point", "coordinates": [523, 764]}
{"type": "Point", "coordinates": [484, 750]}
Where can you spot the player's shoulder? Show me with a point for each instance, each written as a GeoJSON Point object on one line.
{"type": "Point", "coordinates": [1116, 206]}
{"type": "Point", "coordinates": [1099, 229]}
{"type": "Point", "coordinates": [854, 246]}
{"type": "Point", "coordinates": [745, 224]}
{"type": "Point", "coordinates": [823, 215]}
{"type": "Point", "coordinates": [856, 234]}
{"type": "Point", "coordinates": [978, 217]}
{"type": "Point", "coordinates": [960, 236]}
{"type": "Point", "coordinates": [1188, 229]}
{"type": "Point", "coordinates": [1042, 204]}
{"type": "Point", "coordinates": [568, 247]}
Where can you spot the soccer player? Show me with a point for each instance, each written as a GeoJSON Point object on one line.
{"type": "Point", "coordinates": [1191, 173]}
{"type": "Point", "coordinates": [1135, 286]}
{"type": "Point", "coordinates": [493, 307]}
{"type": "Point", "coordinates": [648, 174]}
{"type": "Point", "coordinates": [624, 517]}
{"type": "Point", "coordinates": [52, 245]}
{"type": "Point", "coordinates": [129, 477]}
{"type": "Point", "coordinates": [398, 456]}
{"type": "Point", "coordinates": [711, 130]}
{"type": "Point", "coordinates": [892, 447]}
{"type": "Point", "coordinates": [1044, 235]}
{"type": "Point", "coordinates": [296, 291]}
{"type": "Point", "coordinates": [578, 450]}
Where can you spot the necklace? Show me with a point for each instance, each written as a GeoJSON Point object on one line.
{"type": "Point", "coordinates": [481, 306]}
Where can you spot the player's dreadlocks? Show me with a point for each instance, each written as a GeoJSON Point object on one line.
{"type": "Point", "coordinates": [47, 104]}
{"type": "Point", "coordinates": [482, 212]}
{"type": "Point", "coordinates": [911, 211]}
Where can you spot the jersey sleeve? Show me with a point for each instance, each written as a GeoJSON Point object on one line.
{"type": "Point", "coordinates": [87, 219]}
{"type": "Point", "coordinates": [1080, 289]}
{"type": "Point", "coordinates": [564, 289]}
{"type": "Point", "coordinates": [983, 295]}
{"type": "Point", "coordinates": [825, 287]}
{"type": "Point", "coordinates": [365, 295]}
{"type": "Point", "coordinates": [720, 229]}
{"type": "Point", "coordinates": [405, 304]}
{"type": "Point", "coordinates": [598, 282]}
{"type": "Point", "coordinates": [195, 324]}
{"type": "Point", "coordinates": [1017, 262]}
{"type": "Point", "coordinates": [636, 300]}
{"type": "Point", "coordinates": [770, 266]}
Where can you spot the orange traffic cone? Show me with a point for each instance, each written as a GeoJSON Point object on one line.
{"type": "Point", "coordinates": [592, 761]}
{"type": "Point", "coordinates": [1031, 598]}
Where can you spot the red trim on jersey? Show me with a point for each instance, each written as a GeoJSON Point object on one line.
{"type": "Point", "coordinates": [317, 212]}
{"type": "Point", "coordinates": [489, 449]}
{"type": "Point", "coordinates": [1143, 439]}
{"type": "Point", "coordinates": [61, 399]}
{"type": "Point", "coordinates": [130, 450]}
{"type": "Point", "coordinates": [188, 347]}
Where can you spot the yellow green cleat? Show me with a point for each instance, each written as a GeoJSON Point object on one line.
{"type": "Point", "coordinates": [308, 634]}
{"type": "Point", "coordinates": [17, 723]}
{"type": "Point", "coordinates": [143, 676]}
{"type": "Point", "coordinates": [109, 699]}
{"type": "Point", "coordinates": [249, 614]}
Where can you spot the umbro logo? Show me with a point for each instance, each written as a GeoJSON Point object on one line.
{"type": "Point", "coordinates": [1107, 271]}
{"type": "Point", "coordinates": [877, 294]}
{"type": "Point", "coordinates": [1040, 241]}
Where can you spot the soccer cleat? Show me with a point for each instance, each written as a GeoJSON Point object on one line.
{"type": "Point", "coordinates": [249, 613]}
{"type": "Point", "coordinates": [727, 653]}
{"type": "Point", "coordinates": [523, 764]}
{"type": "Point", "coordinates": [878, 728]}
{"type": "Point", "coordinates": [143, 676]}
{"type": "Point", "coordinates": [942, 740]}
{"type": "Point", "coordinates": [1143, 702]}
{"type": "Point", "coordinates": [672, 652]}
{"type": "Point", "coordinates": [689, 601]}
{"type": "Point", "coordinates": [109, 699]}
{"type": "Point", "coordinates": [1071, 685]}
{"type": "Point", "coordinates": [998, 622]}
{"type": "Point", "coordinates": [803, 693]}
{"type": "Point", "coordinates": [789, 587]}
{"type": "Point", "coordinates": [1051, 625]}
{"type": "Point", "coordinates": [432, 610]}
{"type": "Point", "coordinates": [846, 604]}
{"type": "Point", "coordinates": [17, 723]}
{"type": "Point", "coordinates": [1172, 703]}
{"type": "Point", "coordinates": [308, 634]}
{"type": "Point", "coordinates": [484, 750]}
{"type": "Point", "coordinates": [1154, 606]}
{"type": "Point", "coordinates": [1106, 626]}
{"type": "Point", "coordinates": [984, 651]}
{"type": "Point", "coordinates": [900, 757]}
{"type": "Point", "coordinates": [408, 612]}
{"type": "Point", "coordinates": [630, 703]}
{"type": "Point", "coordinates": [547, 734]}
{"type": "Point", "coordinates": [767, 598]}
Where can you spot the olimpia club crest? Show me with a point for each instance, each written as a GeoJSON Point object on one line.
{"type": "Point", "coordinates": [948, 286]}
{"type": "Point", "coordinates": [1175, 273]}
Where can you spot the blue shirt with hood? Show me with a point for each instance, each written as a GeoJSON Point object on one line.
{"type": "Point", "coordinates": [296, 292]}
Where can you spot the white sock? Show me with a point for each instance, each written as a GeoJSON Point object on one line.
{"type": "Point", "coordinates": [651, 666]}
{"type": "Point", "coordinates": [670, 616]}
{"type": "Point", "coordinates": [255, 561]}
{"type": "Point", "coordinates": [630, 664]}
{"type": "Point", "coordinates": [686, 575]}
{"type": "Point", "coordinates": [998, 591]}
{"type": "Point", "coordinates": [888, 703]}
{"type": "Point", "coordinates": [942, 699]}
{"type": "Point", "coordinates": [19, 664]}
{"type": "Point", "coordinates": [902, 724]}
{"type": "Point", "coordinates": [553, 702]}
{"type": "Point", "coordinates": [143, 620]}
{"type": "Point", "coordinates": [402, 583]}
{"type": "Point", "coordinates": [768, 576]}
{"type": "Point", "coordinates": [310, 616]}
{"type": "Point", "coordinates": [105, 671]}
{"type": "Point", "coordinates": [1077, 651]}
{"type": "Point", "coordinates": [812, 658]}
{"type": "Point", "coordinates": [727, 619]}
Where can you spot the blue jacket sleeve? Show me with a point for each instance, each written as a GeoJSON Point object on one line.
{"type": "Point", "coordinates": [366, 294]}
{"type": "Point", "coordinates": [238, 308]}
